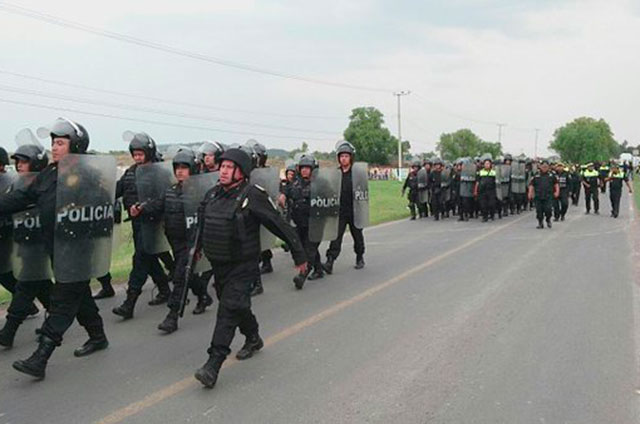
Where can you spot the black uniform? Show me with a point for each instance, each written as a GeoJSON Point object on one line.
{"type": "Point", "coordinates": [486, 181]}
{"type": "Point", "coordinates": [411, 182]}
{"type": "Point", "coordinates": [346, 218]}
{"type": "Point", "coordinates": [231, 242]}
{"type": "Point", "coordinates": [144, 264]}
{"type": "Point", "coordinates": [298, 195]}
{"type": "Point", "coordinates": [543, 185]}
{"type": "Point", "coordinates": [561, 204]}
{"type": "Point", "coordinates": [615, 190]}
{"type": "Point", "coordinates": [435, 189]}
{"type": "Point", "coordinates": [171, 206]}
{"type": "Point", "coordinates": [591, 193]}
{"type": "Point", "coordinates": [69, 300]}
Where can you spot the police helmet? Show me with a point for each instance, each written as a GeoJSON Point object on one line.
{"type": "Point", "coordinates": [214, 148]}
{"type": "Point", "coordinates": [65, 128]}
{"type": "Point", "coordinates": [187, 157]}
{"type": "Point", "coordinates": [35, 155]}
{"type": "Point", "coordinates": [307, 160]}
{"type": "Point", "coordinates": [142, 141]}
{"type": "Point", "coordinates": [241, 158]}
{"type": "Point", "coordinates": [345, 147]}
{"type": "Point", "coordinates": [4, 157]}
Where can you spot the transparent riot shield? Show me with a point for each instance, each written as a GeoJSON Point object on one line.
{"type": "Point", "coordinates": [445, 184]}
{"type": "Point", "coordinates": [360, 182]}
{"type": "Point", "coordinates": [423, 180]}
{"type": "Point", "coordinates": [467, 179]}
{"type": "Point", "coordinates": [193, 192]}
{"type": "Point", "coordinates": [31, 261]}
{"type": "Point", "coordinates": [152, 181]}
{"type": "Point", "coordinates": [325, 204]}
{"type": "Point", "coordinates": [269, 180]}
{"type": "Point", "coordinates": [6, 225]}
{"type": "Point", "coordinates": [498, 171]}
{"type": "Point", "coordinates": [85, 197]}
{"type": "Point", "coordinates": [518, 178]}
{"type": "Point", "coordinates": [505, 182]}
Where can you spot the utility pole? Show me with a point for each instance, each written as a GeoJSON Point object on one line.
{"type": "Point", "coordinates": [399, 94]}
{"type": "Point", "coordinates": [500, 132]}
{"type": "Point", "coordinates": [535, 146]}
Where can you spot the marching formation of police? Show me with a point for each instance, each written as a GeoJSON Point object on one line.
{"type": "Point", "coordinates": [210, 215]}
{"type": "Point", "coordinates": [471, 188]}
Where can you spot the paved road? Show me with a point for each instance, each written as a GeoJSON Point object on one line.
{"type": "Point", "coordinates": [448, 323]}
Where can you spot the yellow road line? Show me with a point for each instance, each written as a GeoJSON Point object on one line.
{"type": "Point", "coordinates": [186, 383]}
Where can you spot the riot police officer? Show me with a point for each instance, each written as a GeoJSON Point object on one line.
{"type": "Point", "coordinates": [345, 152]}
{"type": "Point", "coordinates": [208, 157]}
{"type": "Point", "coordinates": [561, 203]}
{"type": "Point", "coordinates": [143, 150]}
{"type": "Point", "coordinates": [591, 182]}
{"type": "Point", "coordinates": [69, 300]}
{"type": "Point", "coordinates": [485, 190]}
{"type": "Point", "coordinates": [230, 219]}
{"type": "Point", "coordinates": [435, 189]}
{"type": "Point", "coordinates": [7, 279]}
{"type": "Point", "coordinates": [171, 206]}
{"type": "Point", "coordinates": [411, 182]}
{"type": "Point", "coordinates": [298, 195]}
{"type": "Point", "coordinates": [543, 188]}
{"type": "Point", "coordinates": [29, 160]}
{"type": "Point", "coordinates": [615, 179]}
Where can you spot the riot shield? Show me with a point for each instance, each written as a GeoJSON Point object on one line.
{"type": "Point", "coordinates": [360, 182]}
{"type": "Point", "coordinates": [6, 224]}
{"type": "Point", "coordinates": [498, 170]}
{"type": "Point", "coordinates": [269, 180]}
{"type": "Point", "coordinates": [85, 195]}
{"type": "Point", "coordinates": [505, 182]}
{"type": "Point", "coordinates": [193, 191]}
{"type": "Point", "coordinates": [518, 177]}
{"type": "Point", "coordinates": [325, 204]}
{"type": "Point", "coordinates": [152, 181]}
{"type": "Point", "coordinates": [467, 179]}
{"type": "Point", "coordinates": [31, 261]}
{"type": "Point", "coordinates": [445, 184]}
{"type": "Point", "coordinates": [423, 180]}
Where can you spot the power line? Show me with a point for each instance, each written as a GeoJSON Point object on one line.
{"type": "Point", "coordinates": [157, 99]}
{"type": "Point", "coordinates": [453, 114]}
{"type": "Point", "coordinates": [55, 20]}
{"type": "Point", "coordinates": [148, 121]}
{"type": "Point", "coordinates": [152, 110]}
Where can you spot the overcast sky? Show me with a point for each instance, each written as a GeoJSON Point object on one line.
{"type": "Point", "coordinates": [469, 64]}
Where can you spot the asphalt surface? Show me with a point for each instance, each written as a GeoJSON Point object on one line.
{"type": "Point", "coordinates": [448, 323]}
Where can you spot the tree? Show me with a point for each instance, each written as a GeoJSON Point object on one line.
{"type": "Point", "coordinates": [585, 140]}
{"type": "Point", "coordinates": [406, 150]}
{"type": "Point", "coordinates": [373, 142]}
{"type": "Point", "coordinates": [494, 148]}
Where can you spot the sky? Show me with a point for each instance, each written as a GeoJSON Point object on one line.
{"type": "Point", "coordinates": [467, 64]}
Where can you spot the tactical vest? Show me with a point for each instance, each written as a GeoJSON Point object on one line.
{"type": "Point", "coordinates": [129, 190]}
{"type": "Point", "coordinates": [230, 233]}
{"type": "Point", "coordinates": [175, 226]}
{"type": "Point", "coordinates": [562, 180]}
{"type": "Point", "coordinates": [300, 196]}
{"type": "Point", "coordinates": [486, 180]}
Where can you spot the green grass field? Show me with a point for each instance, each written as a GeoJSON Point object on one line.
{"type": "Point", "coordinates": [386, 205]}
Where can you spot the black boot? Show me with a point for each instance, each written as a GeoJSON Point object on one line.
{"type": "Point", "coordinates": [208, 374]}
{"type": "Point", "coordinates": [170, 323]}
{"type": "Point", "coordinates": [317, 274]}
{"type": "Point", "coordinates": [257, 288]}
{"type": "Point", "coordinates": [33, 310]}
{"type": "Point", "coordinates": [36, 364]}
{"type": "Point", "coordinates": [549, 222]}
{"type": "Point", "coordinates": [126, 309]}
{"type": "Point", "coordinates": [8, 333]}
{"type": "Point", "coordinates": [266, 267]}
{"type": "Point", "coordinates": [359, 262]}
{"type": "Point", "coordinates": [97, 341]}
{"type": "Point", "coordinates": [162, 297]}
{"type": "Point", "coordinates": [253, 344]}
{"type": "Point", "coordinates": [328, 266]}
{"type": "Point", "coordinates": [107, 289]}
{"type": "Point", "coordinates": [540, 226]}
{"type": "Point", "coordinates": [203, 301]}
{"type": "Point", "coordinates": [299, 279]}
